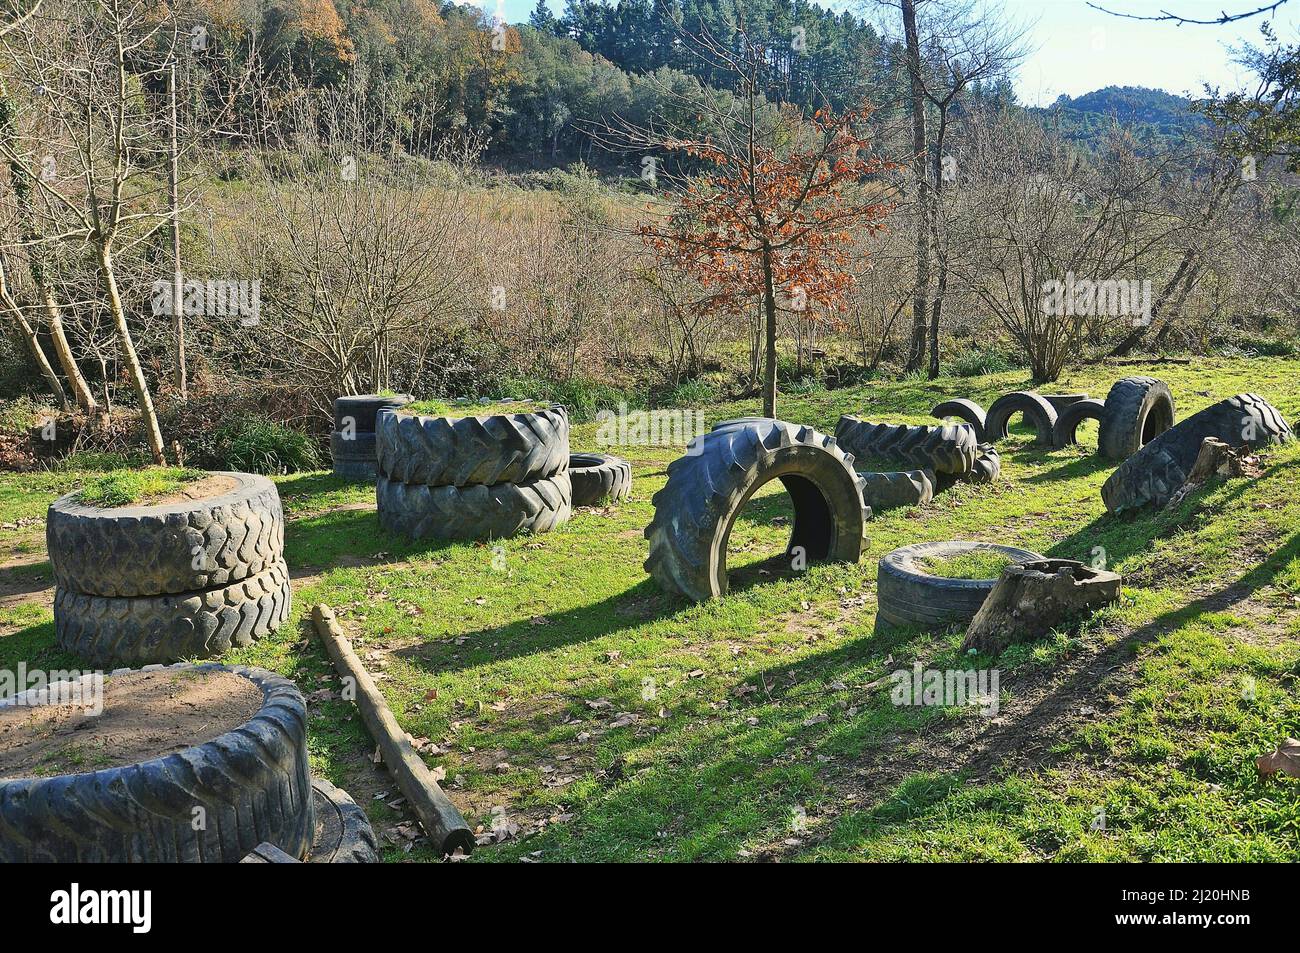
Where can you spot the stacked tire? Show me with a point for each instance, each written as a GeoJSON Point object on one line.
{"type": "Point", "coordinates": [464, 478]}
{"type": "Point", "coordinates": [140, 585]}
{"type": "Point", "coordinates": [352, 443]}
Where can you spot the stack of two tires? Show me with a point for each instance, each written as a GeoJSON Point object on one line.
{"type": "Point", "coordinates": [140, 585]}
{"type": "Point", "coordinates": [352, 443]}
{"type": "Point", "coordinates": [465, 478]}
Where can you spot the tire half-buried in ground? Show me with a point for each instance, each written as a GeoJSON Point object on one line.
{"type": "Point", "coordinates": [907, 595]}
{"type": "Point", "coordinates": [1066, 429]}
{"type": "Point", "coordinates": [240, 777]}
{"type": "Point", "coordinates": [599, 478]}
{"type": "Point", "coordinates": [343, 832]}
{"type": "Point", "coordinates": [170, 547]}
{"type": "Point", "coordinates": [1138, 409]}
{"type": "Point", "coordinates": [1157, 471]}
{"type": "Point", "coordinates": [889, 490]}
{"type": "Point", "coordinates": [707, 489]}
{"type": "Point", "coordinates": [474, 512]}
{"type": "Point", "coordinates": [147, 630]}
{"type": "Point", "coordinates": [1036, 410]}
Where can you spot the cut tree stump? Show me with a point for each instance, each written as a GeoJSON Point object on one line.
{"type": "Point", "coordinates": [1033, 598]}
{"type": "Point", "coordinates": [1215, 459]}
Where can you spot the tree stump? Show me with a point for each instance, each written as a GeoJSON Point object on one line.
{"type": "Point", "coordinates": [1215, 459]}
{"type": "Point", "coordinates": [1030, 599]}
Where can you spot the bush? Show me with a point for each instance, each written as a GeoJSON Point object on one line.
{"type": "Point", "coordinates": [583, 398]}
{"type": "Point", "coordinates": [257, 444]}
{"type": "Point", "coordinates": [979, 361]}
{"type": "Point", "coordinates": [688, 393]}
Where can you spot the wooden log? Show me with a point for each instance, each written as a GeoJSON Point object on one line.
{"type": "Point", "coordinates": [1030, 599]}
{"type": "Point", "coordinates": [438, 816]}
{"type": "Point", "coordinates": [268, 853]}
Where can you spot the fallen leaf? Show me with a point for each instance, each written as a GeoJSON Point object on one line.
{"type": "Point", "coordinates": [1285, 760]}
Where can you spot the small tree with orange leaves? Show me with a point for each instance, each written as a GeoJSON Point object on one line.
{"type": "Point", "coordinates": [771, 217]}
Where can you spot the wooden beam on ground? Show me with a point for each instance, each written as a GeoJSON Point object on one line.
{"type": "Point", "coordinates": [438, 816]}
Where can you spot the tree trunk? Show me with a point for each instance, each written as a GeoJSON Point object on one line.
{"type": "Point", "coordinates": [920, 150]}
{"type": "Point", "coordinates": [178, 308]}
{"type": "Point", "coordinates": [148, 415]}
{"type": "Point", "coordinates": [63, 350]}
{"type": "Point", "coordinates": [1032, 599]}
{"type": "Point", "coordinates": [769, 307]}
{"type": "Point", "coordinates": [33, 343]}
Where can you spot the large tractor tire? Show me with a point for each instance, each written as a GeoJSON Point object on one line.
{"type": "Point", "coordinates": [707, 489]}
{"type": "Point", "coordinates": [150, 630]}
{"type": "Point", "coordinates": [474, 512]}
{"type": "Point", "coordinates": [356, 413]}
{"type": "Point", "coordinates": [599, 478]}
{"type": "Point", "coordinates": [949, 449]}
{"type": "Point", "coordinates": [208, 803]}
{"type": "Point", "coordinates": [1037, 412]}
{"type": "Point", "coordinates": [169, 548]}
{"type": "Point", "coordinates": [1066, 429]}
{"type": "Point", "coordinates": [907, 595]}
{"type": "Point", "coordinates": [1156, 472]}
{"type": "Point", "coordinates": [1138, 409]}
{"type": "Point", "coordinates": [464, 451]}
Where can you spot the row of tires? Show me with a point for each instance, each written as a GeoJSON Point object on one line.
{"type": "Point", "coordinates": [1135, 412]}
{"type": "Point", "coordinates": [249, 785]}
{"type": "Point", "coordinates": [144, 584]}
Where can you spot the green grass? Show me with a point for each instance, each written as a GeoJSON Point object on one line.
{"type": "Point", "coordinates": [127, 487]}
{"type": "Point", "coordinates": [978, 564]}
{"type": "Point", "coordinates": [611, 721]}
{"type": "Point", "coordinates": [442, 408]}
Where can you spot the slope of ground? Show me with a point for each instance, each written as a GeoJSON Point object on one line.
{"type": "Point", "coordinates": [596, 718]}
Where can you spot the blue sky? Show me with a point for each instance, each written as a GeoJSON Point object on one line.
{"type": "Point", "coordinates": [1076, 49]}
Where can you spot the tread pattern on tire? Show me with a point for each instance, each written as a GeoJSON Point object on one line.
{"type": "Point", "coordinates": [948, 449]}
{"type": "Point", "coordinates": [153, 550]}
{"type": "Point", "coordinates": [1159, 469]}
{"type": "Point", "coordinates": [1066, 429]}
{"type": "Point", "coordinates": [598, 478]}
{"type": "Point", "coordinates": [343, 832]}
{"type": "Point", "coordinates": [888, 490]}
{"type": "Point", "coordinates": [709, 486]}
{"type": "Point", "coordinates": [1037, 411]}
{"type": "Point", "coordinates": [908, 596]}
{"type": "Point", "coordinates": [463, 451]}
{"type": "Point", "coordinates": [253, 782]}
{"type": "Point", "coordinates": [146, 630]}
{"type": "Point", "coordinates": [474, 512]}
{"type": "Point", "coordinates": [1138, 409]}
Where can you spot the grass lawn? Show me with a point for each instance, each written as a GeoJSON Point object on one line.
{"type": "Point", "coordinates": [604, 720]}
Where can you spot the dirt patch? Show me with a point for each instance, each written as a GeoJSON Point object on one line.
{"type": "Point", "coordinates": [145, 715]}
{"type": "Point", "coordinates": [204, 488]}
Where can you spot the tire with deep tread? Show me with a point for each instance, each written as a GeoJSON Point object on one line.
{"type": "Point", "coordinates": [945, 449]}
{"type": "Point", "coordinates": [891, 490]}
{"type": "Point", "coordinates": [253, 783]}
{"type": "Point", "coordinates": [360, 410]}
{"type": "Point", "coordinates": [988, 465]}
{"type": "Point", "coordinates": [907, 595]}
{"type": "Point", "coordinates": [1037, 411]}
{"type": "Point", "coordinates": [1159, 469]}
{"type": "Point", "coordinates": [147, 630]}
{"type": "Point", "coordinates": [474, 512]}
{"type": "Point", "coordinates": [599, 478]}
{"type": "Point", "coordinates": [709, 486]}
{"type": "Point", "coordinates": [1066, 429]}
{"type": "Point", "coordinates": [343, 832]}
{"type": "Point", "coordinates": [1138, 409]}
{"type": "Point", "coordinates": [963, 409]}
{"type": "Point", "coordinates": [154, 550]}
{"type": "Point", "coordinates": [464, 451]}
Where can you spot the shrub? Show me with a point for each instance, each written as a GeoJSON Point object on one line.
{"type": "Point", "coordinates": [583, 398]}
{"type": "Point", "coordinates": [257, 444]}
{"type": "Point", "coordinates": [979, 361]}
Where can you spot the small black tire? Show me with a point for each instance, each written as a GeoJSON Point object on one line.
{"type": "Point", "coordinates": [598, 478]}
{"type": "Point", "coordinates": [1138, 409]}
{"type": "Point", "coordinates": [1061, 401]}
{"type": "Point", "coordinates": [1066, 429]}
{"type": "Point", "coordinates": [962, 409]}
{"type": "Point", "coordinates": [121, 551]}
{"type": "Point", "coordinates": [464, 451]}
{"type": "Point", "coordinates": [252, 782]}
{"type": "Point", "coordinates": [148, 630]}
{"type": "Point", "coordinates": [709, 486]}
{"type": "Point", "coordinates": [474, 512]}
{"type": "Point", "coordinates": [1037, 411]}
{"type": "Point", "coordinates": [908, 596]}
{"type": "Point", "coordinates": [891, 490]}
{"type": "Point", "coordinates": [1157, 471]}
{"type": "Point", "coordinates": [343, 832]}
{"type": "Point", "coordinates": [356, 413]}
{"type": "Point", "coordinates": [988, 465]}
{"type": "Point", "coordinates": [354, 456]}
